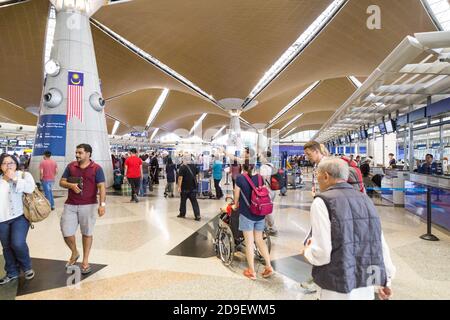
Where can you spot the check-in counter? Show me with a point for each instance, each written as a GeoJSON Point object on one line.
{"type": "Point", "coordinates": [416, 202]}
{"type": "Point", "coordinates": [394, 179]}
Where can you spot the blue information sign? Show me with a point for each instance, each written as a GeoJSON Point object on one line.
{"type": "Point", "coordinates": [51, 135]}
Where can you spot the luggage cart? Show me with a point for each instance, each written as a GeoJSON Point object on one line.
{"type": "Point", "coordinates": [294, 179]}
{"type": "Point", "coordinates": [204, 189]}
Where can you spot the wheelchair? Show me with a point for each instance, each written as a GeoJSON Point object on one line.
{"type": "Point", "coordinates": [229, 239]}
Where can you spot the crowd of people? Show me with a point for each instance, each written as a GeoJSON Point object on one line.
{"type": "Point", "coordinates": [340, 233]}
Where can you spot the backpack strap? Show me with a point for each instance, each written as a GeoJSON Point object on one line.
{"type": "Point", "coordinates": [260, 180]}
{"type": "Point", "coordinates": [250, 182]}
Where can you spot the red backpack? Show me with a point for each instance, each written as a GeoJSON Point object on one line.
{"type": "Point", "coordinates": [261, 203]}
{"type": "Point", "coordinates": [277, 181]}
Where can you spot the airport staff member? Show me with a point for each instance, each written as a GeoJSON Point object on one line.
{"type": "Point", "coordinates": [428, 167]}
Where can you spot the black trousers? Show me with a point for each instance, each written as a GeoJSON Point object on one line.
{"type": "Point", "coordinates": [135, 184]}
{"type": "Point", "coordinates": [192, 196]}
{"type": "Point", "coordinates": [219, 193]}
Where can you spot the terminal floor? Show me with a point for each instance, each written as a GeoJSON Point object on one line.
{"type": "Point", "coordinates": [143, 251]}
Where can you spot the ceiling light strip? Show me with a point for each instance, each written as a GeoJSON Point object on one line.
{"type": "Point", "coordinates": [115, 127]}
{"type": "Point", "coordinates": [49, 34]}
{"type": "Point", "coordinates": [218, 132]}
{"type": "Point", "coordinates": [198, 122]}
{"type": "Point", "coordinates": [296, 48]}
{"type": "Point", "coordinates": [292, 104]}
{"type": "Point", "coordinates": [289, 132]}
{"type": "Point", "coordinates": [152, 60]}
{"type": "Point", "coordinates": [292, 121]}
{"type": "Point", "coordinates": [157, 107]}
{"type": "Point", "coordinates": [154, 133]}
{"type": "Point", "coordinates": [7, 3]}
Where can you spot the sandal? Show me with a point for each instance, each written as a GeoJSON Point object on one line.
{"type": "Point", "coordinates": [268, 271]}
{"type": "Point", "coordinates": [249, 274]}
{"type": "Point", "coordinates": [86, 270]}
{"type": "Point", "coordinates": [72, 262]}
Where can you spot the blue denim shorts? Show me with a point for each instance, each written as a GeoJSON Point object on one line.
{"type": "Point", "coordinates": [245, 224]}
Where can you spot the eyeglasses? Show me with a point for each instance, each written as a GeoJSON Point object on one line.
{"type": "Point", "coordinates": [9, 164]}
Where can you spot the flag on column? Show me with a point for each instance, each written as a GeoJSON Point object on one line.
{"type": "Point", "coordinates": [75, 96]}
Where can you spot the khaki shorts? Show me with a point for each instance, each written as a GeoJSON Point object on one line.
{"type": "Point", "coordinates": [84, 215]}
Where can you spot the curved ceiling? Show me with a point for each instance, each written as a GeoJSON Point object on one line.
{"type": "Point", "coordinates": [224, 47]}
{"type": "Point", "coordinates": [348, 47]}
{"type": "Point", "coordinates": [22, 39]}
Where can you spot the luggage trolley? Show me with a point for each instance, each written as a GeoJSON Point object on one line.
{"type": "Point", "coordinates": [294, 179]}
{"type": "Point", "coordinates": [204, 190]}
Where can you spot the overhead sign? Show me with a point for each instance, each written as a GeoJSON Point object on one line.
{"type": "Point", "coordinates": [51, 135]}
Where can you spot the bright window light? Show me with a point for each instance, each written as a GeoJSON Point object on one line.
{"type": "Point", "coordinates": [292, 121]}
{"type": "Point", "coordinates": [293, 102]}
{"type": "Point", "coordinates": [115, 127]}
{"type": "Point", "coordinates": [440, 10]}
{"type": "Point", "coordinates": [309, 34]}
{"type": "Point", "coordinates": [157, 107]}
{"type": "Point", "coordinates": [154, 133]}
{"type": "Point", "coordinates": [198, 122]}
{"type": "Point", "coordinates": [218, 132]}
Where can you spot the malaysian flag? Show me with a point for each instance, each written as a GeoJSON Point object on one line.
{"type": "Point", "coordinates": [75, 96]}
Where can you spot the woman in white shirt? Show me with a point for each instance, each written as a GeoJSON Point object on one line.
{"type": "Point", "coordinates": [13, 224]}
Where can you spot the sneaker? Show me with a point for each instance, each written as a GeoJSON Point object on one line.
{"type": "Point", "coordinates": [180, 216]}
{"type": "Point", "coordinates": [136, 200]}
{"type": "Point", "coordinates": [249, 274]}
{"type": "Point", "coordinates": [7, 279]}
{"type": "Point", "coordinates": [198, 218]}
{"type": "Point", "coordinates": [268, 271]}
{"type": "Point", "coordinates": [309, 286]}
{"type": "Point", "coordinates": [29, 274]}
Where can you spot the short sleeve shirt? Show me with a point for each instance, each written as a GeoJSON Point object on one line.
{"type": "Point", "coordinates": [134, 167]}
{"type": "Point", "coordinates": [246, 191]}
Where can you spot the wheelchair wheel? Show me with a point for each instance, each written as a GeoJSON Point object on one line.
{"type": "Point", "coordinates": [258, 254]}
{"type": "Point", "coordinates": [225, 245]}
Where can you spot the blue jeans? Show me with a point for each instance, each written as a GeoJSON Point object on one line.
{"type": "Point", "coordinates": [144, 185]}
{"type": "Point", "coordinates": [13, 236]}
{"type": "Point", "coordinates": [48, 186]}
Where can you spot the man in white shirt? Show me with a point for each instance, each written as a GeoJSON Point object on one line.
{"type": "Point", "coordinates": [347, 248]}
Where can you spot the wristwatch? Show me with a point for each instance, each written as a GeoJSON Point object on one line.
{"type": "Point", "coordinates": [103, 204]}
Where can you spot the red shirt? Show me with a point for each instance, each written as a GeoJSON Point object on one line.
{"type": "Point", "coordinates": [92, 175]}
{"type": "Point", "coordinates": [48, 167]}
{"type": "Point", "coordinates": [134, 167]}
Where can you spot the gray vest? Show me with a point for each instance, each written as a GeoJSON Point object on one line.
{"type": "Point", "coordinates": [357, 253]}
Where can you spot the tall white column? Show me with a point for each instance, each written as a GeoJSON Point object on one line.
{"type": "Point", "coordinates": [72, 109]}
{"type": "Point", "coordinates": [234, 137]}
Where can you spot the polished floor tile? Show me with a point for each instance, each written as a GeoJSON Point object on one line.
{"type": "Point", "coordinates": [143, 251]}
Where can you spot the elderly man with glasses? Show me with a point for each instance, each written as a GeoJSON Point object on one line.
{"type": "Point", "coordinates": [347, 249]}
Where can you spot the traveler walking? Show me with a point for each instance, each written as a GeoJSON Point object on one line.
{"type": "Point", "coordinates": [250, 224]}
{"type": "Point", "coordinates": [187, 187]}
{"type": "Point", "coordinates": [13, 224]}
{"type": "Point", "coordinates": [84, 179]}
{"type": "Point", "coordinates": [48, 170]}
{"type": "Point", "coordinates": [133, 173]}
{"type": "Point", "coordinates": [347, 248]}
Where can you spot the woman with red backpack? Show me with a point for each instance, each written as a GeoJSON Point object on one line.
{"type": "Point", "coordinates": [252, 200]}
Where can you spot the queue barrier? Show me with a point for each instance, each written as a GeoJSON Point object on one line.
{"type": "Point", "coordinates": [429, 236]}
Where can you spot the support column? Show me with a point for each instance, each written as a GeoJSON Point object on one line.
{"type": "Point", "coordinates": [72, 109]}
{"type": "Point", "coordinates": [234, 137]}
